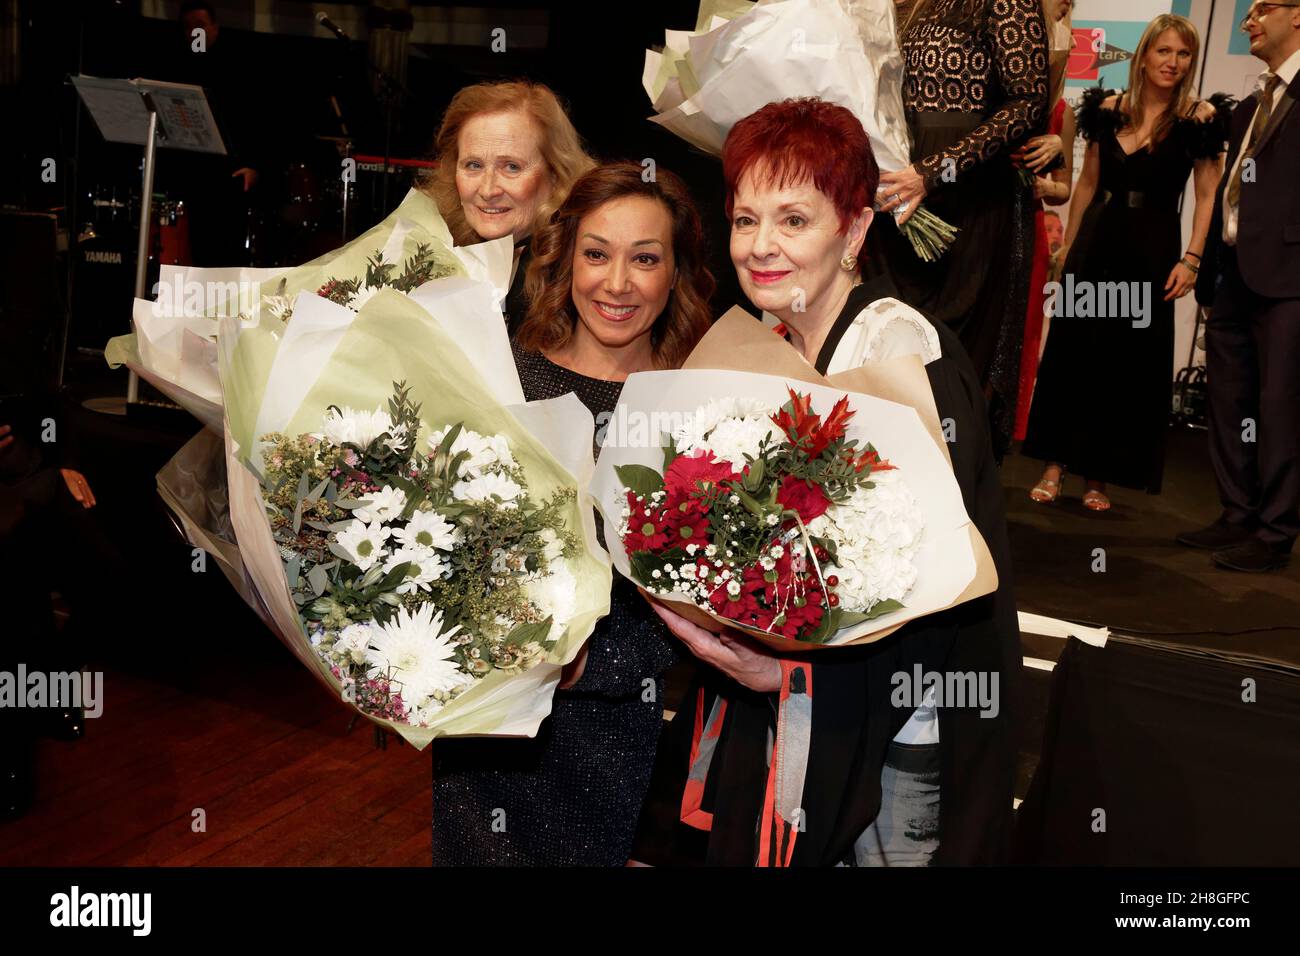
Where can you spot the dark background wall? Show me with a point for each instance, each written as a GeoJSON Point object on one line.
{"type": "Point", "coordinates": [592, 55]}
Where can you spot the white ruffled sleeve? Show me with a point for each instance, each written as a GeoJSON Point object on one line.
{"type": "Point", "coordinates": [885, 329]}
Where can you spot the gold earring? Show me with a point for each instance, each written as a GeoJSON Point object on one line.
{"type": "Point", "coordinates": [849, 263]}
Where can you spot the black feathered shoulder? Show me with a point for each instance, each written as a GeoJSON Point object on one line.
{"type": "Point", "coordinates": [1205, 139]}
{"type": "Point", "coordinates": [1092, 119]}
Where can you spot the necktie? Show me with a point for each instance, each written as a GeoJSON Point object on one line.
{"type": "Point", "coordinates": [1256, 130]}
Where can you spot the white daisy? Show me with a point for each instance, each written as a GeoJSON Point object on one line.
{"type": "Point", "coordinates": [428, 529]}
{"type": "Point", "coordinates": [363, 543]}
{"type": "Point", "coordinates": [429, 567]}
{"type": "Point", "coordinates": [486, 487]}
{"type": "Point", "coordinates": [411, 652]}
{"type": "Point", "coordinates": [385, 504]}
{"type": "Point", "coordinates": [485, 452]}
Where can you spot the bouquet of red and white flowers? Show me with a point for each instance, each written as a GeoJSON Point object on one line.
{"type": "Point", "coordinates": [774, 520]}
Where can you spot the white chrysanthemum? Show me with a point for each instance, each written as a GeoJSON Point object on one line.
{"type": "Point", "coordinates": [877, 533]}
{"type": "Point", "coordinates": [485, 451]}
{"type": "Point", "coordinates": [552, 546]}
{"type": "Point", "coordinates": [429, 567]}
{"type": "Point", "coordinates": [358, 427]}
{"type": "Point", "coordinates": [414, 656]}
{"type": "Point", "coordinates": [362, 296]}
{"type": "Point", "coordinates": [385, 504]}
{"type": "Point", "coordinates": [486, 487]}
{"type": "Point", "coordinates": [556, 596]}
{"type": "Point", "coordinates": [363, 543]}
{"type": "Point", "coordinates": [734, 438]}
{"type": "Point", "coordinates": [694, 430]}
{"type": "Point", "coordinates": [353, 641]}
{"type": "Point", "coordinates": [428, 529]}
{"type": "Point", "coordinates": [399, 436]}
{"type": "Point", "coordinates": [278, 305]}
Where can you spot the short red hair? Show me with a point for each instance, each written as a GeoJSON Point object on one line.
{"type": "Point", "coordinates": [794, 141]}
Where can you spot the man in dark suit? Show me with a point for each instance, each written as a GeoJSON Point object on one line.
{"type": "Point", "coordinates": [1251, 277]}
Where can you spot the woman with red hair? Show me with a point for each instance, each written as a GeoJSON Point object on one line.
{"type": "Point", "coordinates": [800, 177]}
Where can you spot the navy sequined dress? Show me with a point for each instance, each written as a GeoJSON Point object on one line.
{"type": "Point", "coordinates": [571, 795]}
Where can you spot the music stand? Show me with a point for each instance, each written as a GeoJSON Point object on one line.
{"type": "Point", "coordinates": [149, 113]}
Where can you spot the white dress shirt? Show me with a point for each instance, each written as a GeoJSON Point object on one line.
{"type": "Point", "coordinates": [1287, 72]}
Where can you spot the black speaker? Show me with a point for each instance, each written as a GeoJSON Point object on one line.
{"type": "Point", "coordinates": [32, 303]}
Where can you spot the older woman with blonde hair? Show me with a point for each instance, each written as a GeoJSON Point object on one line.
{"type": "Point", "coordinates": [507, 156]}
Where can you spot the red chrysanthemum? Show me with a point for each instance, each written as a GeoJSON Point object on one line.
{"type": "Point", "coordinates": [696, 473]}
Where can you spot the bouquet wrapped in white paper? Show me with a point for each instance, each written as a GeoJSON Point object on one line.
{"type": "Point", "coordinates": [424, 549]}
{"type": "Point", "coordinates": [804, 511]}
{"type": "Point", "coordinates": [742, 56]}
{"type": "Point", "coordinates": [174, 343]}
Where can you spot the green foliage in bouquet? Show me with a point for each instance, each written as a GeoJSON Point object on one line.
{"type": "Point", "coordinates": [314, 487]}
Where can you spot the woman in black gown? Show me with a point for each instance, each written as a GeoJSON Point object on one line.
{"type": "Point", "coordinates": [507, 155]}
{"type": "Point", "coordinates": [617, 285]}
{"type": "Point", "coordinates": [975, 88]}
{"type": "Point", "coordinates": [885, 784]}
{"type": "Point", "coordinates": [1101, 405]}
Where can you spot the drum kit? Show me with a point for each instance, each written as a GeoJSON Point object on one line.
{"type": "Point", "coordinates": [313, 209]}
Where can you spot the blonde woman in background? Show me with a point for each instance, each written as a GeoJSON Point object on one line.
{"type": "Point", "coordinates": [507, 157]}
{"type": "Point", "coordinates": [1101, 405]}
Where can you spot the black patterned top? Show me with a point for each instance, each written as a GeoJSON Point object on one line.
{"type": "Point", "coordinates": [992, 63]}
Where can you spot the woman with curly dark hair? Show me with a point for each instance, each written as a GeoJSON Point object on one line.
{"type": "Point", "coordinates": [617, 284]}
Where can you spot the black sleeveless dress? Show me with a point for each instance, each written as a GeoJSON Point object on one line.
{"type": "Point", "coordinates": [571, 795]}
{"type": "Point", "coordinates": [1101, 404]}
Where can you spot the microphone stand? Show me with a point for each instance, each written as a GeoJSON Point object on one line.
{"type": "Point", "coordinates": [390, 92]}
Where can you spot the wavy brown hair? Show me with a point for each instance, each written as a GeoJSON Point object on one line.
{"type": "Point", "coordinates": [548, 286]}
{"type": "Point", "coordinates": [561, 146]}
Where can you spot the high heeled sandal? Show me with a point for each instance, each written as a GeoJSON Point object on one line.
{"type": "Point", "coordinates": [1047, 490]}
{"type": "Point", "coordinates": [1094, 499]}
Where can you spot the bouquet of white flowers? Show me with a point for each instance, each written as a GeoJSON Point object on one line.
{"type": "Point", "coordinates": [421, 546]}
{"type": "Point", "coordinates": [742, 56]}
{"type": "Point", "coordinates": [174, 345]}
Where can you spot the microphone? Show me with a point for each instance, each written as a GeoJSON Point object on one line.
{"type": "Point", "coordinates": [331, 26]}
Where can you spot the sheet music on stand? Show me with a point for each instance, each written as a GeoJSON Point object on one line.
{"type": "Point", "coordinates": [149, 113]}
{"type": "Point", "coordinates": [185, 119]}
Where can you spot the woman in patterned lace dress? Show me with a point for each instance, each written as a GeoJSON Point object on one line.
{"type": "Point", "coordinates": [975, 88]}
